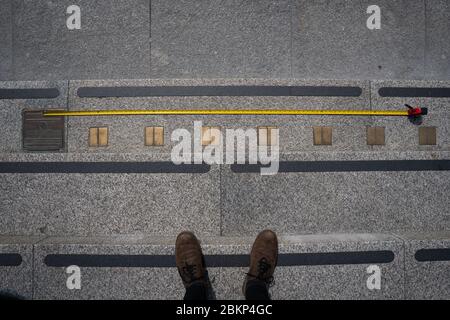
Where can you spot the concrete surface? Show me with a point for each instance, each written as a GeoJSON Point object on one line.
{"type": "Point", "coordinates": [114, 39]}
{"type": "Point", "coordinates": [103, 204]}
{"type": "Point", "coordinates": [336, 281]}
{"type": "Point", "coordinates": [18, 281]}
{"type": "Point", "coordinates": [221, 39]}
{"type": "Point", "coordinates": [437, 50]}
{"type": "Point", "coordinates": [403, 277]}
{"type": "Point", "coordinates": [331, 40]}
{"type": "Point", "coordinates": [427, 280]}
{"type": "Point", "coordinates": [6, 56]}
{"type": "Point", "coordinates": [318, 39]}
{"type": "Point", "coordinates": [225, 43]}
{"type": "Point", "coordinates": [298, 203]}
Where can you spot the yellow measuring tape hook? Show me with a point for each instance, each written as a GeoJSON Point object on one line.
{"type": "Point", "coordinates": [418, 111]}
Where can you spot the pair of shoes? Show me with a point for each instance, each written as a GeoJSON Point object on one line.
{"type": "Point", "coordinates": [191, 266]}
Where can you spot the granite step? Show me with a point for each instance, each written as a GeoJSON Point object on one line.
{"type": "Point", "coordinates": [192, 39]}
{"type": "Point", "coordinates": [220, 201]}
{"type": "Point", "coordinates": [126, 134]}
{"type": "Point", "coordinates": [66, 194]}
{"type": "Point", "coordinates": [333, 266]}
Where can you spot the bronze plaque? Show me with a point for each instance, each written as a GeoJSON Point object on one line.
{"type": "Point", "coordinates": [375, 136]}
{"type": "Point", "coordinates": [322, 136]}
{"type": "Point", "coordinates": [427, 136]}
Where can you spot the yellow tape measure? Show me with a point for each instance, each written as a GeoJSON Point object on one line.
{"type": "Point", "coordinates": [253, 112]}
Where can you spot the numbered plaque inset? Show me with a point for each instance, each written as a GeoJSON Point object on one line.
{"type": "Point", "coordinates": [210, 136]}
{"type": "Point", "coordinates": [265, 136]}
{"type": "Point", "coordinates": [323, 136]}
{"type": "Point", "coordinates": [154, 136]}
{"type": "Point", "coordinates": [375, 136]}
{"type": "Point", "coordinates": [98, 137]}
{"type": "Point", "coordinates": [427, 136]}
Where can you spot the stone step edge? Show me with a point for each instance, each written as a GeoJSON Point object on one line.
{"type": "Point", "coordinates": [210, 241]}
{"type": "Point", "coordinates": [301, 155]}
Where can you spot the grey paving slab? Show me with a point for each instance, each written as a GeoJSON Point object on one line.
{"type": "Point", "coordinates": [99, 17]}
{"type": "Point", "coordinates": [293, 203]}
{"type": "Point", "coordinates": [6, 41]}
{"type": "Point", "coordinates": [426, 279]}
{"type": "Point", "coordinates": [17, 281]}
{"type": "Point", "coordinates": [127, 133]}
{"type": "Point", "coordinates": [91, 57]}
{"type": "Point", "coordinates": [193, 39]}
{"type": "Point", "coordinates": [113, 41]}
{"type": "Point", "coordinates": [40, 205]}
{"type": "Point", "coordinates": [400, 133]}
{"type": "Point", "coordinates": [100, 283]}
{"type": "Point", "coordinates": [115, 283]}
{"type": "Point", "coordinates": [300, 282]}
{"type": "Point", "coordinates": [327, 281]}
{"type": "Point", "coordinates": [11, 110]}
{"type": "Point", "coordinates": [331, 40]}
{"type": "Point", "coordinates": [437, 53]}
{"type": "Point", "coordinates": [104, 204]}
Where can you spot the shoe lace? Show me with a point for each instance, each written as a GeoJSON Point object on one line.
{"type": "Point", "coordinates": [188, 272]}
{"type": "Point", "coordinates": [263, 267]}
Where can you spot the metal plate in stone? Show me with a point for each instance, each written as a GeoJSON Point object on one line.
{"type": "Point", "coordinates": [41, 133]}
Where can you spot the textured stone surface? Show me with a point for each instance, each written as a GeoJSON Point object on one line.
{"type": "Point", "coordinates": [426, 280]}
{"type": "Point", "coordinates": [331, 40]}
{"type": "Point", "coordinates": [127, 144]}
{"type": "Point", "coordinates": [11, 110]}
{"type": "Point", "coordinates": [114, 40]}
{"type": "Point", "coordinates": [203, 39]}
{"type": "Point", "coordinates": [323, 282]}
{"type": "Point", "coordinates": [103, 204]}
{"type": "Point", "coordinates": [334, 202]}
{"type": "Point", "coordinates": [195, 39]}
{"type": "Point", "coordinates": [400, 133]}
{"type": "Point", "coordinates": [340, 282]}
{"type": "Point", "coordinates": [54, 286]}
{"type": "Point", "coordinates": [17, 281]}
{"type": "Point", "coordinates": [278, 41]}
{"type": "Point", "coordinates": [434, 105]}
{"type": "Point", "coordinates": [6, 41]}
{"type": "Point", "coordinates": [305, 156]}
{"type": "Point", "coordinates": [437, 50]}
{"type": "Point", "coordinates": [127, 133]}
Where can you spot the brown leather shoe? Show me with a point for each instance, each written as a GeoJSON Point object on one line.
{"type": "Point", "coordinates": [189, 259]}
{"type": "Point", "coordinates": [263, 258]}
